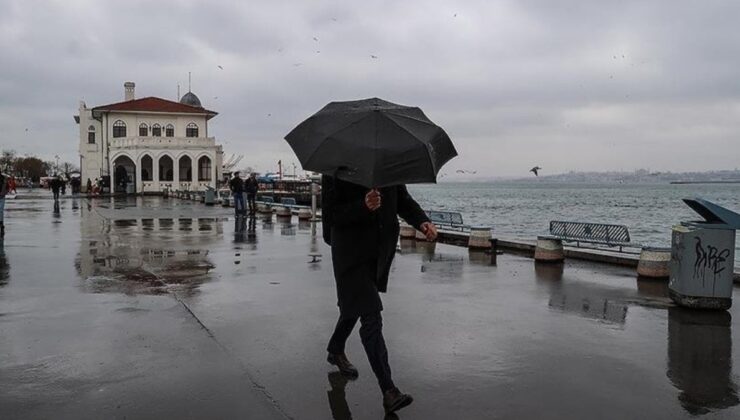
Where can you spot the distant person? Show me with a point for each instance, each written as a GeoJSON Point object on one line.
{"type": "Point", "coordinates": [237, 190]}
{"type": "Point", "coordinates": [361, 227]}
{"type": "Point", "coordinates": [250, 186]}
{"type": "Point", "coordinates": [89, 187]}
{"type": "Point", "coordinates": [12, 185]}
{"type": "Point", "coordinates": [3, 193]}
{"type": "Point", "coordinates": [55, 185]}
{"type": "Point", "coordinates": [63, 185]}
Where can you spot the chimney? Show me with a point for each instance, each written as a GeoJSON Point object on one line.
{"type": "Point", "coordinates": [128, 88]}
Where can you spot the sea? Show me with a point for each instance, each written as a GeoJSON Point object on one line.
{"type": "Point", "coordinates": [523, 210]}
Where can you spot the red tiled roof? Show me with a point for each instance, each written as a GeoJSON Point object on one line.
{"type": "Point", "coordinates": [153, 104]}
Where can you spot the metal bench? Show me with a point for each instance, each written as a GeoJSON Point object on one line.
{"type": "Point", "coordinates": [447, 220]}
{"type": "Point", "coordinates": [594, 233]}
{"type": "Point", "coordinates": [288, 201]}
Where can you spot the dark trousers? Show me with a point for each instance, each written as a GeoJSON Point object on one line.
{"type": "Point", "coordinates": [251, 201]}
{"type": "Point", "coordinates": [371, 333]}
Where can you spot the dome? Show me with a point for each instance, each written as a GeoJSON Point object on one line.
{"type": "Point", "coordinates": [190, 99]}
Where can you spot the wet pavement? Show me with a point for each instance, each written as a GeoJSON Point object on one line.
{"type": "Point", "coordinates": [162, 308]}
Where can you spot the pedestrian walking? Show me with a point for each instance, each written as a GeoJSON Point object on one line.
{"type": "Point", "coordinates": [3, 192]}
{"type": "Point", "coordinates": [89, 187]}
{"type": "Point", "coordinates": [361, 226]}
{"type": "Point", "coordinates": [237, 190]}
{"type": "Point", "coordinates": [55, 185]}
{"type": "Point", "coordinates": [363, 194]}
{"type": "Point", "coordinates": [250, 186]}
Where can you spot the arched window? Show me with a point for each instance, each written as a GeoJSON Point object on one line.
{"type": "Point", "coordinates": [166, 172]}
{"type": "Point", "coordinates": [143, 130]}
{"type": "Point", "coordinates": [185, 167]}
{"type": "Point", "coordinates": [204, 169]}
{"type": "Point", "coordinates": [91, 134]}
{"type": "Point", "coordinates": [157, 130]}
{"type": "Point", "coordinates": [169, 131]}
{"type": "Point", "coordinates": [191, 130]}
{"type": "Point", "coordinates": [119, 129]}
{"type": "Point", "coordinates": [146, 168]}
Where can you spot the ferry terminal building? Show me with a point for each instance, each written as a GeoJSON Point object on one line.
{"type": "Point", "coordinates": [148, 145]}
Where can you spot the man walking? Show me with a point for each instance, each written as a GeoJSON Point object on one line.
{"type": "Point", "coordinates": [250, 186]}
{"type": "Point", "coordinates": [55, 184]}
{"type": "Point", "coordinates": [237, 190]}
{"type": "Point", "coordinates": [3, 193]}
{"type": "Point", "coordinates": [362, 229]}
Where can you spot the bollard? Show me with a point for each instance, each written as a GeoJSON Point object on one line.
{"type": "Point", "coordinates": [654, 262]}
{"type": "Point", "coordinates": [407, 231]}
{"type": "Point", "coordinates": [549, 250]}
{"type": "Point", "coordinates": [304, 214]}
{"type": "Point", "coordinates": [282, 211]}
{"type": "Point", "coordinates": [494, 250]}
{"type": "Point", "coordinates": [480, 237]}
{"type": "Point", "coordinates": [263, 208]}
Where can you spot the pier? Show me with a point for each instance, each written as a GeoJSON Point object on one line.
{"type": "Point", "coordinates": [167, 308]}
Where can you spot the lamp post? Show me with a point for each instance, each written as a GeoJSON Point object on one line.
{"type": "Point", "coordinates": [56, 166]}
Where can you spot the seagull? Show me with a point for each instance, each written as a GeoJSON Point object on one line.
{"type": "Point", "coordinates": [455, 15]}
{"type": "Point", "coordinates": [534, 170]}
{"type": "Point", "coordinates": [373, 56]}
{"type": "Point", "coordinates": [334, 19]}
{"type": "Point", "coordinates": [297, 64]}
{"type": "Point", "coordinates": [215, 97]}
{"type": "Point", "coordinates": [315, 39]}
{"type": "Point", "coordinates": [220, 67]}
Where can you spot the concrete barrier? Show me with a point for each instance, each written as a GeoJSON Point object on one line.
{"type": "Point", "coordinates": [654, 262]}
{"type": "Point", "coordinates": [407, 231]}
{"type": "Point", "coordinates": [480, 237]}
{"type": "Point", "coordinates": [264, 208]}
{"type": "Point", "coordinates": [304, 214]}
{"type": "Point", "coordinates": [282, 211]}
{"type": "Point", "coordinates": [548, 250]}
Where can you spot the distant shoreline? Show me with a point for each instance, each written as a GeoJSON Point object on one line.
{"type": "Point", "coordinates": [706, 182]}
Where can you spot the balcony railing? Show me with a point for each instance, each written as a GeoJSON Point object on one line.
{"type": "Point", "coordinates": [136, 142]}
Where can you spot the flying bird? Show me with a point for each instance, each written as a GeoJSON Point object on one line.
{"type": "Point", "coordinates": [220, 67]}
{"type": "Point", "coordinates": [373, 56]}
{"type": "Point", "coordinates": [315, 39]}
{"type": "Point", "coordinates": [535, 169]}
{"type": "Point", "coordinates": [297, 64]}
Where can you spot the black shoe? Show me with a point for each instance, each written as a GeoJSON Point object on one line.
{"type": "Point", "coordinates": [394, 400]}
{"type": "Point", "coordinates": [344, 365]}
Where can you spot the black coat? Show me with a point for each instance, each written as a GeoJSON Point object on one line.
{"type": "Point", "coordinates": [363, 242]}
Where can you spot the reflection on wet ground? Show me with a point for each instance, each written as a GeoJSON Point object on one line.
{"type": "Point", "coordinates": [124, 266]}
{"type": "Point", "coordinates": [700, 359]}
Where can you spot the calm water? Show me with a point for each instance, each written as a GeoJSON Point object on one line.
{"type": "Point", "coordinates": [524, 210]}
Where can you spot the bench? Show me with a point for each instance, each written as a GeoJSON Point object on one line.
{"type": "Point", "coordinates": [594, 233]}
{"type": "Point", "coordinates": [288, 201]}
{"type": "Point", "coordinates": [447, 220]}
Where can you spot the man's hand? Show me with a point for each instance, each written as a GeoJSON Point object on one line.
{"type": "Point", "coordinates": [372, 199]}
{"type": "Point", "coordinates": [429, 230]}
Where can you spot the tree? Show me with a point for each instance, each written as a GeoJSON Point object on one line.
{"type": "Point", "coordinates": [7, 160]}
{"type": "Point", "coordinates": [30, 167]}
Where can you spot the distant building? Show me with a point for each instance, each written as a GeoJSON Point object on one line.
{"type": "Point", "coordinates": [150, 144]}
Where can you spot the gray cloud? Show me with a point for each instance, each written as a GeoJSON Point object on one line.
{"type": "Point", "coordinates": [566, 85]}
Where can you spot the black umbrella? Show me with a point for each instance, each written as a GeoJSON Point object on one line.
{"type": "Point", "coordinates": [372, 142]}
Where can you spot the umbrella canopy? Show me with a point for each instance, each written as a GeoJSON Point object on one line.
{"type": "Point", "coordinates": [372, 142]}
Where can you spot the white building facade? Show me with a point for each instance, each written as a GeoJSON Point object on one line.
{"type": "Point", "coordinates": [148, 145]}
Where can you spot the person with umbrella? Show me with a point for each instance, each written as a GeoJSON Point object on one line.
{"type": "Point", "coordinates": [367, 151]}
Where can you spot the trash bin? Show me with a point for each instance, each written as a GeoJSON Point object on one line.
{"type": "Point", "coordinates": [703, 257]}
{"type": "Point", "coordinates": [210, 196]}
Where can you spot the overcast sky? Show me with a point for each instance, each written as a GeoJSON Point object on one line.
{"type": "Point", "coordinates": [566, 85]}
